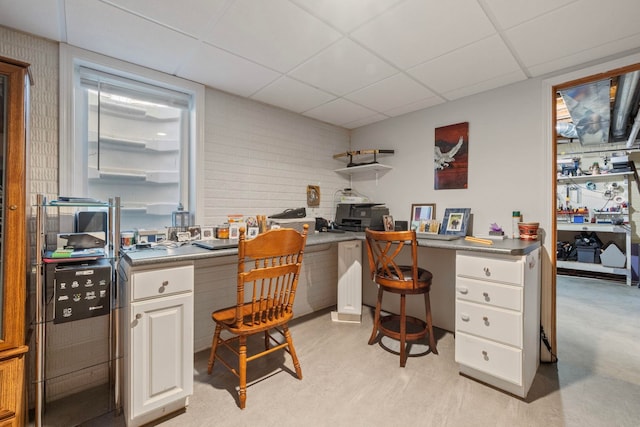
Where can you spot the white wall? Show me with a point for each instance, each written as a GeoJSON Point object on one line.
{"type": "Point", "coordinates": [506, 151]}
{"type": "Point", "coordinates": [260, 159]}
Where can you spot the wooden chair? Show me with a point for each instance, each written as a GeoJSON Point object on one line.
{"type": "Point", "coordinates": [268, 271]}
{"type": "Point", "coordinates": [383, 248]}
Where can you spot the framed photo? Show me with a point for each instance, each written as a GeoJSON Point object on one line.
{"type": "Point", "coordinates": [387, 220]}
{"type": "Point", "coordinates": [456, 221]}
{"type": "Point", "coordinates": [194, 232]}
{"type": "Point", "coordinates": [234, 230]}
{"type": "Point", "coordinates": [252, 232]}
{"type": "Point", "coordinates": [421, 215]}
{"type": "Point", "coordinates": [206, 233]}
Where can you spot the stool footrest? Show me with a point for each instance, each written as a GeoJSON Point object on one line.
{"type": "Point", "coordinates": [395, 333]}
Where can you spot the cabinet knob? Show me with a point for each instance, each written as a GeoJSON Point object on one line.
{"type": "Point", "coordinates": [487, 272]}
{"type": "Point", "coordinates": [486, 296]}
{"type": "Point", "coordinates": [138, 316]}
{"type": "Point", "coordinates": [13, 207]}
{"type": "Point", "coordinates": [464, 317]}
{"type": "Point", "coordinates": [463, 290]}
{"type": "Point", "coordinates": [485, 355]}
{"type": "Point", "coordinates": [165, 283]}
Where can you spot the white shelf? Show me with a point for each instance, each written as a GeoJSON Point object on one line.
{"type": "Point", "coordinates": [594, 177]}
{"type": "Point", "coordinates": [373, 167]}
{"type": "Point", "coordinates": [596, 268]}
{"type": "Point", "coordinates": [605, 228]}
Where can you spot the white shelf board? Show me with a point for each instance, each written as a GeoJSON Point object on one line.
{"type": "Point", "coordinates": [594, 177]}
{"type": "Point", "coordinates": [597, 268]}
{"type": "Point", "coordinates": [605, 228]}
{"type": "Point", "coordinates": [373, 167]}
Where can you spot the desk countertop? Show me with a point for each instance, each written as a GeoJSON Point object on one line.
{"type": "Point", "coordinates": [162, 254]}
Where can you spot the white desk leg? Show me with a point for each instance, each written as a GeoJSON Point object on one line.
{"type": "Point", "coordinates": [349, 282]}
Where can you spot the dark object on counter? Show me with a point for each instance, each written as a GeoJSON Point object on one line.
{"type": "Point", "coordinates": [360, 216]}
{"type": "Point", "coordinates": [401, 226]}
{"type": "Point", "coordinates": [321, 224]}
{"type": "Point", "coordinates": [290, 213]}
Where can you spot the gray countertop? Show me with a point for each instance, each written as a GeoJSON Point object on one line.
{"type": "Point", "coordinates": [163, 254]}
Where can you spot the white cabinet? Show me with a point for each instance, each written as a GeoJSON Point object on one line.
{"type": "Point", "coordinates": [498, 318]}
{"type": "Point", "coordinates": [349, 282]}
{"type": "Point", "coordinates": [158, 342]}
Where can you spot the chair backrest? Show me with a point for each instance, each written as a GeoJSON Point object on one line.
{"type": "Point", "coordinates": [268, 271]}
{"type": "Point", "coordinates": [383, 249]}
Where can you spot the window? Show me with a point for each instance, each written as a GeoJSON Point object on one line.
{"type": "Point", "coordinates": [130, 136]}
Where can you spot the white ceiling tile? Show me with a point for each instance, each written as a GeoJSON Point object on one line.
{"type": "Point", "coordinates": [483, 86]}
{"type": "Point", "coordinates": [39, 17]}
{"type": "Point", "coordinates": [343, 68]}
{"type": "Point", "coordinates": [219, 69]}
{"type": "Point", "coordinates": [292, 95]}
{"type": "Point", "coordinates": [509, 13]}
{"type": "Point", "coordinates": [390, 93]}
{"type": "Point", "coordinates": [414, 106]}
{"type": "Point", "coordinates": [366, 121]}
{"type": "Point", "coordinates": [275, 33]}
{"type": "Point", "coordinates": [470, 65]}
{"type": "Point", "coordinates": [418, 30]}
{"type": "Point", "coordinates": [339, 112]}
{"type": "Point", "coordinates": [346, 15]}
{"type": "Point", "coordinates": [125, 36]}
{"type": "Point", "coordinates": [575, 28]}
{"type": "Point", "coordinates": [195, 17]}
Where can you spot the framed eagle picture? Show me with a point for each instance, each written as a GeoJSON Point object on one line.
{"type": "Point", "coordinates": [451, 157]}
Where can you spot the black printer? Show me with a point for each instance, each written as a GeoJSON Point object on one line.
{"type": "Point", "coordinates": [360, 216]}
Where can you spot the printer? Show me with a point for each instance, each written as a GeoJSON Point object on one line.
{"type": "Point", "coordinates": [360, 216]}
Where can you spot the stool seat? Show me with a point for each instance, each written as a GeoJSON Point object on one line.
{"type": "Point", "coordinates": [383, 247]}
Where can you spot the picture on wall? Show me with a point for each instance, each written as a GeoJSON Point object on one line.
{"type": "Point", "coordinates": [451, 156]}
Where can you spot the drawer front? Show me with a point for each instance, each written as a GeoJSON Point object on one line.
{"type": "Point", "coordinates": [492, 358]}
{"type": "Point", "coordinates": [504, 269]}
{"type": "Point", "coordinates": [493, 323]}
{"type": "Point", "coordinates": [161, 282]}
{"type": "Point", "coordinates": [490, 293]}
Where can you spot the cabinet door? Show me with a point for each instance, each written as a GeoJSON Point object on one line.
{"type": "Point", "coordinates": [161, 352]}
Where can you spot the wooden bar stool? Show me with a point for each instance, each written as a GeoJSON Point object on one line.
{"type": "Point", "coordinates": [383, 248]}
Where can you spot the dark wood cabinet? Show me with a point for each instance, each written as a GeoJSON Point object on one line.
{"type": "Point", "coordinates": [13, 242]}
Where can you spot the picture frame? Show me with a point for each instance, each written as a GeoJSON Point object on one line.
{"type": "Point", "coordinates": [387, 220]}
{"type": "Point", "coordinates": [252, 232]}
{"type": "Point", "coordinates": [234, 231]}
{"type": "Point", "coordinates": [421, 215]}
{"type": "Point", "coordinates": [206, 233]}
{"type": "Point", "coordinates": [455, 221]}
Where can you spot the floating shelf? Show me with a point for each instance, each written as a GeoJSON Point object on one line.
{"type": "Point", "coordinates": [373, 167]}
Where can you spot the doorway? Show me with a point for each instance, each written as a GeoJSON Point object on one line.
{"type": "Point", "coordinates": [580, 172]}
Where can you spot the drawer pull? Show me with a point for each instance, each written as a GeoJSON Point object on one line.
{"type": "Point", "coordinates": [486, 320]}
{"type": "Point", "coordinates": [486, 296]}
{"type": "Point", "coordinates": [165, 283]}
{"type": "Point", "coordinates": [138, 316]}
{"type": "Point", "coordinates": [464, 317]}
{"type": "Point", "coordinates": [487, 272]}
{"type": "Point", "coordinates": [485, 355]}
{"type": "Point", "coordinates": [463, 291]}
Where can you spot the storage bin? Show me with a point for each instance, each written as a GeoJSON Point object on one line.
{"type": "Point", "coordinates": [612, 256]}
{"type": "Point", "coordinates": [589, 254]}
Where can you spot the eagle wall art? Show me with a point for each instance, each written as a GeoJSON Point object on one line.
{"type": "Point", "coordinates": [451, 154]}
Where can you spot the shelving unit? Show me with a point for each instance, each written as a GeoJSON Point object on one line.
{"type": "Point", "coordinates": [604, 225]}
{"type": "Point", "coordinates": [366, 167]}
{"type": "Point", "coordinates": [89, 338]}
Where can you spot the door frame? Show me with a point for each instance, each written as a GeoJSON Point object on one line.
{"type": "Point", "coordinates": [549, 86]}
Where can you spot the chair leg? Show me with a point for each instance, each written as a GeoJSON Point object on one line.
{"type": "Point", "coordinates": [242, 365]}
{"type": "Point", "coordinates": [267, 344]}
{"type": "Point", "coordinates": [214, 348]}
{"type": "Point", "coordinates": [376, 318]}
{"type": "Point", "coordinates": [432, 339]}
{"type": "Point", "coordinates": [403, 330]}
{"type": "Point", "coordinates": [292, 351]}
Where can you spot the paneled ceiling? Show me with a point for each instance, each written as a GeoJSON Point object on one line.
{"type": "Point", "coordinates": [345, 62]}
